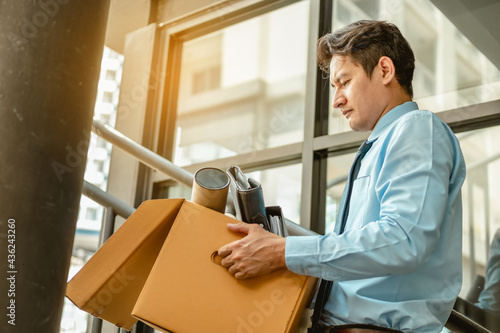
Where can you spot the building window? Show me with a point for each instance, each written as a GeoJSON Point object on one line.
{"type": "Point", "coordinates": [206, 80]}
{"type": "Point", "coordinates": [99, 165]}
{"type": "Point", "coordinates": [107, 97]}
{"type": "Point", "coordinates": [91, 214]}
{"type": "Point", "coordinates": [110, 75]}
{"type": "Point", "coordinates": [105, 118]}
{"type": "Point", "coordinates": [101, 143]}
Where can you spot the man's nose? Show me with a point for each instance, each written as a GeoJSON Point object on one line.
{"type": "Point", "coordinates": [338, 99]}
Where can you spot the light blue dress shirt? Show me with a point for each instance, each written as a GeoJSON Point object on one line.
{"type": "Point", "coordinates": [399, 262]}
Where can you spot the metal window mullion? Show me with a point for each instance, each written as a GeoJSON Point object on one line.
{"type": "Point", "coordinates": [256, 160]}
{"type": "Point", "coordinates": [314, 163]}
{"type": "Point", "coordinates": [168, 114]}
{"type": "Point", "coordinates": [309, 116]}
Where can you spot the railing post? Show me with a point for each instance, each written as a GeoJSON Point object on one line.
{"type": "Point", "coordinates": [107, 229]}
{"type": "Point", "coordinates": [95, 324]}
{"type": "Point", "coordinates": [108, 225]}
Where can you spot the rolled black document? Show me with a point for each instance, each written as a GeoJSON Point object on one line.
{"type": "Point", "coordinates": [248, 198]}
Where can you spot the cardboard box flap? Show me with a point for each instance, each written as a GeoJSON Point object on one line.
{"type": "Point", "coordinates": [187, 291]}
{"type": "Point", "coordinates": [109, 284]}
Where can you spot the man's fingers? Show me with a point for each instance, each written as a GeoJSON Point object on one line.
{"type": "Point", "coordinates": [240, 275]}
{"type": "Point", "coordinates": [225, 250]}
{"type": "Point", "coordinates": [232, 269]}
{"type": "Point", "coordinates": [226, 263]}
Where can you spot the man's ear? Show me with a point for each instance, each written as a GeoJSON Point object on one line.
{"type": "Point", "coordinates": [387, 69]}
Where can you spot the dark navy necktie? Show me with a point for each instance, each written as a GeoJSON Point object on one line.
{"type": "Point", "coordinates": [325, 285]}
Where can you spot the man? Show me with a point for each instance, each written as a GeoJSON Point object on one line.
{"type": "Point", "coordinates": [396, 259]}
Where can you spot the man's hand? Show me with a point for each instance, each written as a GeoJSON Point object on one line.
{"type": "Point", "coordinates": [257, 254]}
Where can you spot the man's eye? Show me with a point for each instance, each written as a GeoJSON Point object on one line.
{"type": "Point", "coordinates": [345, 83]}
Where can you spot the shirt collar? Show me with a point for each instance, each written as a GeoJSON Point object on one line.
{"type": "Point", "coordinates": [390, 117]}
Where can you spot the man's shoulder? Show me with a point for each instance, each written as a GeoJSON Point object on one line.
{"type": "Point", "coordinates": [422, 117]}
{"type": "Point", "coordinates": [418, 124]}
{"type": "Point", "coordinates": [412, 118]}
{"type": "Point", "coordinates": [419, 113]}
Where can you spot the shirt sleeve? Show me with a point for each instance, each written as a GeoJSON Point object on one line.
{"type": "Point", "coordinates": [412, 188]}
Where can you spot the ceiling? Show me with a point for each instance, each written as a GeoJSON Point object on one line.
{"type": "Point", "coordinates": [479, 21]}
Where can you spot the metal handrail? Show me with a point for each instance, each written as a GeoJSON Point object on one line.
{"type": "Point", "coordinates": [106, 200]}
{"type": "Point", "coordinates": [143, 154]}
{"type": "Point", "coordinates": [157, 162]}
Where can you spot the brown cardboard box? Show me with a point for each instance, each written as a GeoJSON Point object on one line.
{"type": "Point", "coordinates": [109, 284]}
{"type": "Point", "coordinates": [187, 291]}
{"type": "Point", "coordinates": [181, 287]}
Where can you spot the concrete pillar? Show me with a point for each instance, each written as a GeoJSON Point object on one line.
{"type": "Point", "coordinates": [50, 53]}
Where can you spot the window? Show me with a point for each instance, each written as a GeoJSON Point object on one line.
{"type": "Point", "coordinates": [206, 80]}
{"type": "Point", "coordinates": [99, 165]}
{"type": "Point", "coordinates": [480, 195]}
{"type": "Point", "coordinates": [91, 214]}
{"type": "Point", "coordinates": [242, 87]}
{"type": "Point", "coordinates": [111, 75]}
{"type": "Point", "coordinates": [337, 172]}
{"type": "Point", "coordinates": [481, 226]}
{"type": "Point", "coordinates": [105, 118]}
{"type": "Point", "coordinates": [450, 71]}
{"type": "Point", "coordinates": [107, 97]}
{"type": "Point", "coordinates": [101, 143]}
{"type": "Point", "coordinates": [281, 186]}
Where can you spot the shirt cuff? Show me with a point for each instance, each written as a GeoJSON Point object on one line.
{"type": "Point", "coordinates": [301, 254]}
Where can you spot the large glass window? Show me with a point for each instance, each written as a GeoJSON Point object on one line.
{"type": "Point", "coordinates": [481, 194]}
{"type": "Point", "coordinates": [337, 173]}
{"type": "Point", "coordinates": [281, 187]}
{"type": "Point", "coordinates": [242, 87]}
{"type": "Point", "coordinates": [450, 71]}
{"type": "Point", "coordinates": [480, 294]}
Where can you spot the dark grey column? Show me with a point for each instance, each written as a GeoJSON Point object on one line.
{"type": "Point", "coordinates": [50, 56]}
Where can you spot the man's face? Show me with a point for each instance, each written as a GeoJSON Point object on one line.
{"type": "Point", "coordinates": [359, 98]}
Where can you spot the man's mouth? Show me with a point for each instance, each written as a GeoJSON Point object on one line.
{"type": "Point", "coordinates": [346, 112]}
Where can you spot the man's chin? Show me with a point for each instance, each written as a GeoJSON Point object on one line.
{"type": "Point", "coordinates": [357, 127]}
